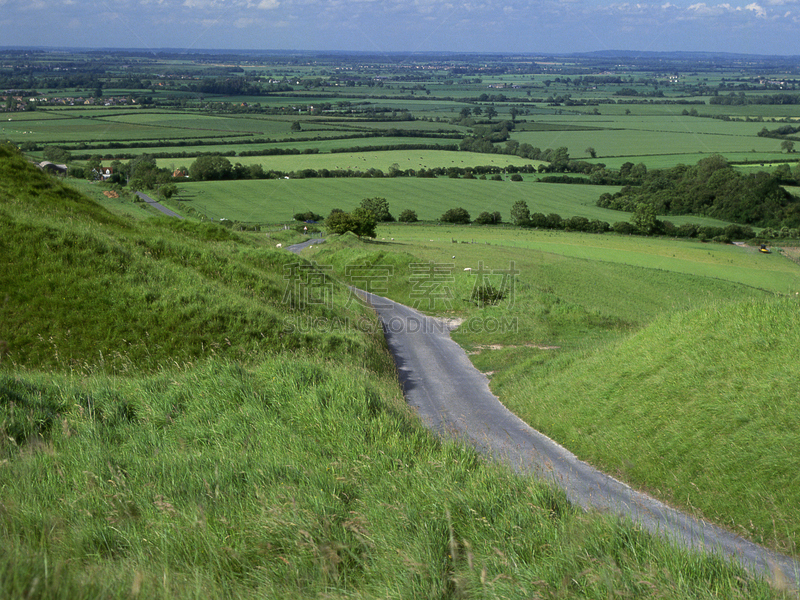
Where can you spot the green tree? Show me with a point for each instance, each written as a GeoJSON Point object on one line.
{"type": "Point", "coordinates": [487, 218]}
{"type": "Point", "coordinates": [379, 207]}
{"type": "Point", "coordinates": [787, 146]}
{"type": "Point", "coordinates": [456, 215]}
{"type": "Point", "coordinates": [408, 216]}
{"type": "Point", "coordinates": [365, 221]}
{"type": "Point", "coordinates": [56, 154]}
{"type": "Point", "coordinates": [591, 152]}
{"type": "Point", "coordinates": [520, 213]}
{"type": "Point", "coordinates": [210, 167]}
{"type": "Point", "coordinates": [644, 218]}
{"type": "Point", "coordinates": [143, 172]}
{"type": "Point", "coordinates": [295, 126]}
{"type": "Point", "coordinates": [340, 222]}
{"type": "Point", "coordinates": [361, 222]}
{"type": "Point", "coordinates": [168, 190]}
{"type": "Point", "coordinates": [94, 167]}
{"type": "Point", "coordinates": [560, 159]}
{"type": "Point", "coordinates": [491, 113]}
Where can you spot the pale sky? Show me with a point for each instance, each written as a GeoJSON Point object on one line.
{"type": "Point", "coordinates": [524, 26]}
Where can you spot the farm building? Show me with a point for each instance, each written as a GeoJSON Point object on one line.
{"type": "Point", "coordinates": [53, 168]}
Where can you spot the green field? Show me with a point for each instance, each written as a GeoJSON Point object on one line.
{"type": "Point", "coordinates": [383, 160]}
{"type": "Point", "coordinates": [272, 201]}
{"type": "Point", "coordinates": [743, 265]}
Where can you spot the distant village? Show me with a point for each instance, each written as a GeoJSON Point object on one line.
{"type": "Point", "coordinates": [15, 103]}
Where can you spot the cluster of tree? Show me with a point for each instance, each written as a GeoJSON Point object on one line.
{"type": "Point", "coordinates": [780, 132]}
{"type": "Point", "coordinates": [598, 174]}
{"type": "Point", "coordinates": [633, 92]}
{"type": "Point", "coordinates": [237, 86]}
{"type": "Point", "coordinates": [379, 207]}
{"type": "Point", "coordinates": [487, 218]}
{"type": "Point", "coordinates": [711, 188]}
{"type": "Point", "coordinates": [484, 137]}
{"type": "Point", "coordinates": [408, 216]}
{"type": "Point", "coordinates": [308, 216]}
{"type": "Point", "coordinates": [643, 222]}
{"type": "Point", "coordinates": [456, 215]}
{"type": "Point", "coordinates": [360, 221]}
{"type": "Point", "coordinates": [734, 99]}
{"type": "Point", "coordinates": [522, 217]}
{"type": "Point", "coordinates": [558, 158]}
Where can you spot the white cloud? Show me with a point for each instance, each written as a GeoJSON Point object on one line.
{"type": "Point", "coordinates": [268, 4]}
{"type": "Point", "coordinates": [757, 9]}
{"type": "Point", "coordinates": [203, 4]}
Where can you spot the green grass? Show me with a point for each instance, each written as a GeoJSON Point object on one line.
{"type": "Point", "coordinates": [196, 459]}
{"type": "Point", "coordinates": [709, 260]}
{"type": "Point", "coordinates": [658, 141]}
{"type": "Point", "coordinates": [699, 408]}
{"type": "Point", "coordinates": [138, 296]}
{"type": "Point", "coordinates": [662, 373]}
{"type": "Point", "coordinates": [293, 480]}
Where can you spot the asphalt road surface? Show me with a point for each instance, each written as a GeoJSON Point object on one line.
{"type": "Point", "coordinates": [453, 398]}
{"type": "Point", "coordinates": [296, 248]}
{"type": "Point", "coordinates": [157, 206]}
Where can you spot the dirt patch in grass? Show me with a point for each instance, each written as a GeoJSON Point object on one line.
{"type": "Point", "coordinates": [479, 349]}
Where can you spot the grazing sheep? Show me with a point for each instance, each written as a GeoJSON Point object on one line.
{"type": "Point", "coordinates": [279, 245]}
{"type": "Point", "coordinates": [468, 269]}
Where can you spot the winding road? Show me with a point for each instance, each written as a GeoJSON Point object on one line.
{"type": "Point", "coordinates": [453, 398]}
{"type": "Point", "coordinates": [157, 206]}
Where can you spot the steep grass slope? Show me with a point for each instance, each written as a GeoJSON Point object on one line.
{"type": "Point", "coordinates": [84, 289]}
{"type": "Point", "coordinates": [700, 407]}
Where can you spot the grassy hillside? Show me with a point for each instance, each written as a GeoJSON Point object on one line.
{"type": "Point", "coordinates": [701, 408]}
{"type": "Point", "coordinates": [166, 432]}
{"type": "Point", "coordinates": [84, 289]}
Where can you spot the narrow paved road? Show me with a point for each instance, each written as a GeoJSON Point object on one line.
{"type": "Point", "coordinates": [158, 206]}
{"type": "Point", "coordinates": [296, 248]}
{"type": "Point", "coordinates": [453, 398]}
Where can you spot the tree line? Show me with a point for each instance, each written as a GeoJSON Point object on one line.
{"type": "Point", "coordinates": [712, 188]}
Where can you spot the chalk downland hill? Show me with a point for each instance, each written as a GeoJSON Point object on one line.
{"type": "Point", "coordinates": [168, 429]}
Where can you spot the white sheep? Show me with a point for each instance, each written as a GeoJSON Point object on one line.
{"type": "Point", "coordinates": [279, 245]}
